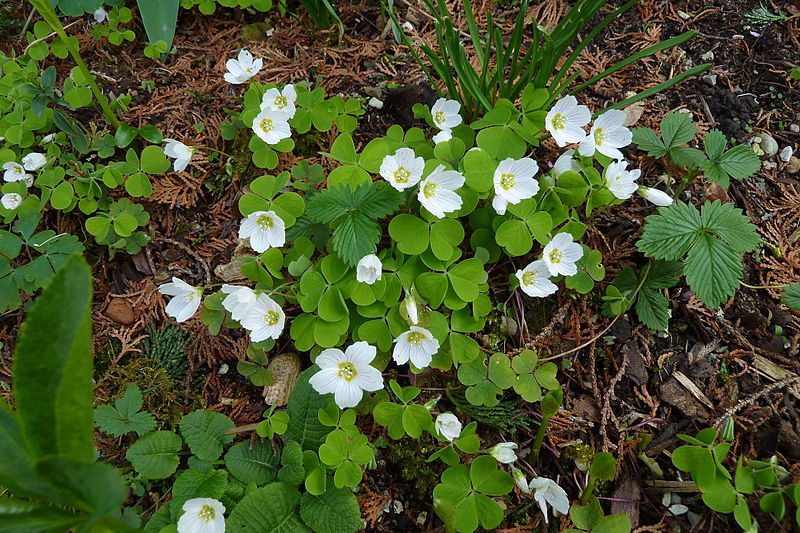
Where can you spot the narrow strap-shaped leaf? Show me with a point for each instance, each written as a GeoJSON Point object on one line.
{"type": "Point", "coordinates": [650, 50]}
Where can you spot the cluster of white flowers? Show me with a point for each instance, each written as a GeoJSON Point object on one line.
{"type": "Point", "coordinates": [13, 172]}
{"type": "Point", "coordinates": [566, 122]}
{"type": "Point", "coordinates": [437, 192]}
{"type": "Point", "coordinates": [271, 125]}
{"type": "Point", "coordinates": [558, 259]}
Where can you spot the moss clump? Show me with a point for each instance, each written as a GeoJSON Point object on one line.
{"type": "Point", "coordinates": [161, 397]}
{"type": "Point", "coordinates": [410, 455]}
{"type": "Point", "coordinates": [166, 348]}
{"type": "Point", "coordinates": [506, 416]}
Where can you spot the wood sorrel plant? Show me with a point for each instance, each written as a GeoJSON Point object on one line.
{"type": "Point", "coordinates": [360, 271]}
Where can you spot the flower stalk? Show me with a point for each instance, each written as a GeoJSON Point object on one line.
{"type": "Point", "coordinates": [47, 12]}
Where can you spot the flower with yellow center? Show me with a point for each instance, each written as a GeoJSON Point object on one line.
{"type": "Point", "coordinates": [264, 319]}
{"type": "Point", "coordinates": [281, 100]}
{"type": "Point", "coordinates": [417, 345]}
{"type": "Point", "coordinates": [202, 515]}
{"type": "Point", "coordinates": [607, 136]}
{"type": "Point", "coordinates": [272, 125]}
{"type": "Point", "coordinates": [513, 182]}
{"type": "Point", "coordinates": [534, 280]}
{"type": "Point", "coordinates": [620, 181]}
{"type": "Point", "coordinates": [265, 229]}
{"type": "Point", "coordinates": [403, 169]}
{"type": "Point", "coordinates": [445, 114]}
{"type": "Point", "coordinates": [347, 374]}
{"type": "Point", "coordinates": [565, 121]}
{"type": "Point", "coordinates": [561, 254]}
{"type": "Point", "coordinates": [437, 192]}
{"type": "Point", "coordinates": [242, 68]}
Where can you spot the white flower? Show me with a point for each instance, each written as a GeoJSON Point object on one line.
{"type": "Point", "coordinates": [548, 492]}
{"type": "Point", "coordinates": [374, 102]}
{"type": "Point", "coordinates": [264, 319]}
{"type": "Point", "coordinates": [654, 196]}
{"type": "Point", "coordinates": [607, 136]}
{"type": "Point", "coordinates": [448, 426]}
{"type": "Point", "coordinates": [34, 161]}
{"type": "Point", "coordinates": [437, 192]}
{"type": "Point", "coordinates": [181, 153]}
{"type": "Point", "coordinates": [565, 121]}
{"type": "Point", "coordinates": [403, 169]}
{"type": "Point", "coordinates": [564, 163]}
{"type": "Point", "coordinates": [185, 299]}
{"type": "Point", "coordinates": [202, 515]}
{"type": "Point", "coordinates": [347, 374]}
{"type": "Point", "coordinates": [513, 182]}
{"type": "Point", "coordinates": [445, 114]}
{"type": "Point", "coordinates": [417, 345]}
{"type": "Point", "coordinates": [265, 229]}
{"type": "Point", "coordinates": [534, 280]}
{"type": "Point", "coordinates": [238, 301]}
{"type": "Point", "coordinates": [410, 307]}
{"type": "Point", "coordinates": [442, 136]}
{"type": "Point", "coordinates": [16, 172]}
{"type": "Point", "coordinates": [504, 452]}
{"type": "Point", "coordinates": [11, 201]}
{"type": "Point", "coordinates": [272, 126]}
{"type": "Point", "coordinates": [560, 255]}
{"type": "Point", "coordinates": [620, 181]}
{"type": "Point", "coordinates": [243, 68]}
{"type": "Point", "coordinates": [369, 269]}
{"type": "Point", "coordinates": [520, 480]}
{"type": "Point", "coordinates": [101, 15]}
{"type": "Point", "coordinates": [280, 100]}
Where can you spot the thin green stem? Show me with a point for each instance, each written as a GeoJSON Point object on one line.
{"type": "Point", "coordinates": [538, 439]}
{"type": "Point", "coordinates": [49, 15]}
{"type": "Point", "coordinates": [781, 286]}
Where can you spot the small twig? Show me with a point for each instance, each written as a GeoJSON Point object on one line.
{"type": "Point", "coordinates": [752, 398]}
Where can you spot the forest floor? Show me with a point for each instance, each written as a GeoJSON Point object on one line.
{"type": "Point", "coordinates": [628, 393]}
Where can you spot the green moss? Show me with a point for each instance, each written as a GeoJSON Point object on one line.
{"type": "Point", "coordinates": [166, 348]}
{"type": "Point", "coordinates": [409, 456]}
{"type": "Point", "coordinates": [506, 416]}
{"type": "Point", "coordinates": [162, 396]}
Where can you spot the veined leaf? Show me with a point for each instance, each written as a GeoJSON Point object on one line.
{"type": "Point", "coordinates": [53, 368]}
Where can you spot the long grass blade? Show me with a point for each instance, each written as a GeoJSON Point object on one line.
{"type": "Point", "coordinates": [663, 45]}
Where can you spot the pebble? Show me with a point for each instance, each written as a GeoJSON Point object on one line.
{"type": "Point", "coordinates": [794, 127]}
{"type": "Point", "coordinates": [768, 144]}
{"type": "Point", "coordinates": [793, 166]}
{"type": "Point", "coordinates": [678, 509]}
{"type": "Point", "coordinates": [422, 518]}
{"type": "Point", "coordinates": [786, 154]}
{"type": "Point", "coordinates": [769, 165]}
{"type": "Point", "coordinates": [710, 79]}
{"type": "Point", "coordinates": [374, 102]}
{"type": "Point", "coordinates": [223, 369]}
{"type": "Point", "coordinates": [708, 56]}
{"type": "Point", "coordinates": [121, 312]}
{"type": "Point", "coordinates": [407, 26]}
